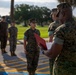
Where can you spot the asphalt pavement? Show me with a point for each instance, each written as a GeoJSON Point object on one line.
{"type": "Point", "coordinates": [17, 65]}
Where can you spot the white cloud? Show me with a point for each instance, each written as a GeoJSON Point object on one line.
{"type": "Point", "coordinates": [42, 1]}
{"type": "Point", "coordinates": [4, 11]}
{"type": "Point", "coordinates": [74, 12]}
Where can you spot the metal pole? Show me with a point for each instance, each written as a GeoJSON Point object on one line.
{"type": "Point", "coordinates": [12, 10]}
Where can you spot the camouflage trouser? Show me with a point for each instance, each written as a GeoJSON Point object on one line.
{"type": "Point", "coordinates": [64, 68]}
{"type": "Point", "coordinates": [12, 44]}
{"type": "Point", "coordinates": [51, 62]}
{"type": "Point", "coordinates": [32, 61]}
{"type": "Point", "coordinates": [3, 40]}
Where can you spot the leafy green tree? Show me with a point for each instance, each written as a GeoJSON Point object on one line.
{"type": "Point", "coordinates": [24, 12]}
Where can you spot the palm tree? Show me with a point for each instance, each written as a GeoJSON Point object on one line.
{"type": "Point", "coordinates": [12, 10]}
{"type": "Point", "coordinates": [71, 2]}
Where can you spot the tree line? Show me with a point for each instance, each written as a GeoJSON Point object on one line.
{"type": "Point", "coordinates": [23, 12]}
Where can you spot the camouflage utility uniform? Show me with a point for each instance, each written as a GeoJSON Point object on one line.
{"type": "Point", "coordinates": [13, 37]}
{"type": "Point", "coordinates": [66, 61]}
{"type": "Point", "coordinates": [3, 34]}
{"type": "Point", "coordinates": [52, 27]}
{"type": "Point", "coordinates": [51, 31]}
{"type": "Point", "coordinates": [32, 49]}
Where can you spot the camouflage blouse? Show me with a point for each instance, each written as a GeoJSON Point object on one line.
{"type": "Point", "coordinates": [3, 28]}
{"type": "Point", "coordinates": [31, 41]}
{"type": "Point", "coordinates": [13, 32]}
{"type": "Point", "coordinates": [66, 61]}
{"type": "Point", "coordinates": [52, 27]}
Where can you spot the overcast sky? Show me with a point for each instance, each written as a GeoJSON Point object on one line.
{"type": "Point", "coordinates": [33, 0]}
{"type": "Point", "coordinates": [5, 4]}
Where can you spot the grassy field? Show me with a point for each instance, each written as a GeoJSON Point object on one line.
{"type": "Point", "coordinates": [21, 30]}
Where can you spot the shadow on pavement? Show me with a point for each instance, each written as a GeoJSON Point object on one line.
{"type": "Point", "coordinates": [14, 64]}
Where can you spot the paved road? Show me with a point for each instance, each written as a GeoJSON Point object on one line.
{"type": "Point", "coordinates": [17, 65]}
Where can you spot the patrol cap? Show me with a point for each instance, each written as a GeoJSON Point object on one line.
{"type": "Point", "coordinates": [53, 10]}
{"type": "Point", "coordinates": [65, 7]}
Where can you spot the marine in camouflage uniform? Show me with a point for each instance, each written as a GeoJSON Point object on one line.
{"type": "Point", "coordinates": [32, 49]}
{"type": "Point", "coordinates": [66, 36]}
{"type": "Point", "coordinates": [51, 31]}
{"type": "Point", "coordinates": [66, 62]}
{"type": "Point", "coordinates": [3, 34]}
{"type": "Point", "coordinates": [13, 38]}
{"type": "Point", "coordinates": [64, 44]}
{"type": "Point", "coordinates": [52, 27]}
{"type": "Point", "coordinates": [54, 24]}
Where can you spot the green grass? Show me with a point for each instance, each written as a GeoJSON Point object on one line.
{"type": "Point", "coordinates": [21, 30]}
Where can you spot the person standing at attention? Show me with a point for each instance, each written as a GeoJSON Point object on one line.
{"type": "Point", "coordinates": [51, 31]}
{"type": "Point", "coordinates": [53, 25]}
{"type": "Point", "coordinates": [31, 48]}
{"type": "Point", "coordinates": [12, 38]}
{"type": "Point", "coordinates": [3, 34]}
